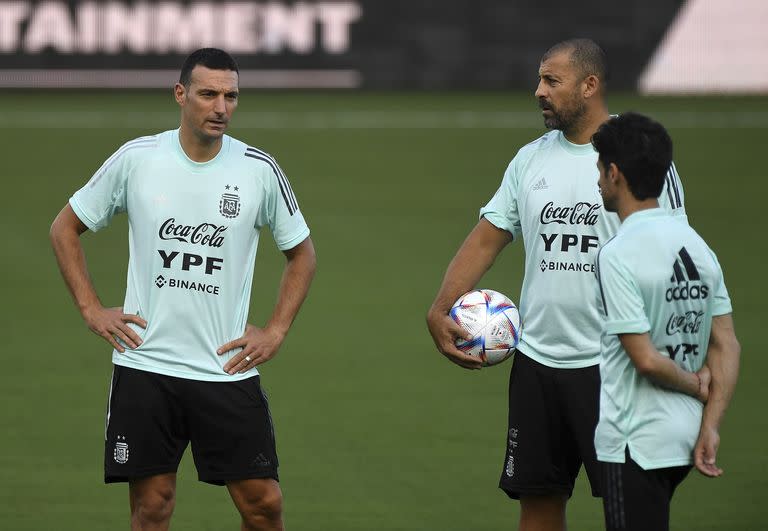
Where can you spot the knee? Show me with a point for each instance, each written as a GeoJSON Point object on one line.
{"type": "Point", "coordinates": [155, 506]}
{"type": "Point", "coordinates": [265, 512]}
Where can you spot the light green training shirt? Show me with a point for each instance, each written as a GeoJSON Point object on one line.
{"type": "Point", "coordinates": [193, 234]}
{"type": "Point", "coordinates": [549, 196]}
{"type": "Point", "coordinates": [657, 276]}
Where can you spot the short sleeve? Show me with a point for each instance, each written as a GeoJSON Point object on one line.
{"type": "Point", "coordinates": [280, 211]}
{"type": "Point", "coordinates": [721, 301]}
{"type": "Point", "coordinates": [622, 301]}
{"type": "Point", "coordinates": [105, 194]}
{"type": "Point", "coordinates": [672, 198]}
{"type": "Point", "coordinates": [502, 210]}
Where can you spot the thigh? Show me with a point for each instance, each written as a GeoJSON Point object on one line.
{"type": "Point", "coordinates": [539, 449]}
{"type": "Point", "coordinates": [145, 429]}
{"type": "Point", "coordinates": [231, 431]}
{"type": "Point", "coordinates": [635, 499]}
{"type": "Point", "coordinates": [580, 400]}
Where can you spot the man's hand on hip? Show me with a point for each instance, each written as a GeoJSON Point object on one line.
{"type": "Point", "coordinates": [111, 324]}
{"type": "Point", "coordinates": [259, 346]}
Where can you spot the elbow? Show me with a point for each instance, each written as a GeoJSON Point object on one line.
{"type": "Point", "coordinates": [312, 267]}
{"type": "Point", "coordinates": [735, 348]}
{"type": "Point", "coordinates": [311, 261]}
{"type": "Point", "coordinates": [646, 367]}
{"type": "Point", "coordinates": [54, 231]}
{"type": "Point", "coordinates": [308, 258]}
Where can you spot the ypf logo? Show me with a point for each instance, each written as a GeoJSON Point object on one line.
{"type": "Point", "coordinates": [687, 280]}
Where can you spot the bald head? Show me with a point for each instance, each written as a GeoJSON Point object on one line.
{"type": "Point", "coordinates": [586, 57]}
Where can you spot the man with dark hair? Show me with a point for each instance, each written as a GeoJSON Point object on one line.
{"type": "Point", "coordinates": [549, 199]}
{"type": "Point", "coordinates": [185, 358]}
{"type": "Point", "coordinates": [668, 331]}
{"type": "Point", "coordinates": [212, 58]}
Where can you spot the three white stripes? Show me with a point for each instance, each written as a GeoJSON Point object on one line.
{"type": "Point", "coordinates": [673, 190]}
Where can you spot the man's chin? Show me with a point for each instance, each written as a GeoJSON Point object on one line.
{"type": "Point", "coordinates": [213, 133]}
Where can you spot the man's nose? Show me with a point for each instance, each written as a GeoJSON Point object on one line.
{"type": "Point", "coordinates": [220, 106]}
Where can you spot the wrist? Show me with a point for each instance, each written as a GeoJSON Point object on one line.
{"type": "Point", "coordinates": [438, 309]}
{"type": "Point", "coordinates": [699, 393]}
{"type": "Point", "coordinates": [87, 308]}
{"type": "Point", "coordinates": [280, 331]}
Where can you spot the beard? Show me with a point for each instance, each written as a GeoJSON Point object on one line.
{"type": "Point", "coordinates": [565, 117]}
{"type": "Point", "coordinates": [609, 205]}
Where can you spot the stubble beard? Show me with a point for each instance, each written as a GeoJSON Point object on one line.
{"type": "Point", "coordinates": [567, 119]}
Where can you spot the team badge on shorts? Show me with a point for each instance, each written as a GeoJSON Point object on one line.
{"type": "Point", "coordinates": [229, 205]}
{"type": "Point", "coordinates": [121, 450]}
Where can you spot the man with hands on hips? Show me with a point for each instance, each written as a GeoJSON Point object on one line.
{"type": "Point", "coordinates": [184, 356]}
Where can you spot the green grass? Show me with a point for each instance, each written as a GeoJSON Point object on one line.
{"type": "Point", "coordinates": [376, 431]}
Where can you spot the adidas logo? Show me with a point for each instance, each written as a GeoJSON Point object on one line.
{"type": "Point", "coordinates": [684, 272]}
{"type": "Point", "coordinates": [687, 263]}
{"type": "Point", "coordinates": [261, 461]}
{"type": "Point", "coordinates": [540, 185]}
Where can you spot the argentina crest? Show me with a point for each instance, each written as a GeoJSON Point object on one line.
{"type": "Point", "coordinates": [229, 204]}
{"type": "Point", "coordinates": [120, 452]}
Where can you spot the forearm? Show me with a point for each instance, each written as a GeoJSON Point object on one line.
{"type": "Point", "coordinates": [475, 256]}
{"type": "Point", "coordinates": [723, 359]}
{"type": "Point", "coordinates": [666, 373]}
{"type": "Point", "coordinates": [294, 286]}
{"type": "Point", "coordinates": [658, 368]}
{"type": "Point", "coordinates": [65, 240]}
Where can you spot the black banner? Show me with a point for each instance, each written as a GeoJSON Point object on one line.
{"type": "Point", "coordinates": [378, 44]}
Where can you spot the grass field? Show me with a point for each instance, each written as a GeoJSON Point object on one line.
{"type": "Point", "coordinates": [376, 431]}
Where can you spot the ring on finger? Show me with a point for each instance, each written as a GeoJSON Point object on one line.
{"type": "Point", "coordinates": [248, 359]}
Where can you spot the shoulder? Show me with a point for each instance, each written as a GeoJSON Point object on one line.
{"type": "Point", "coordinates": [610, 249]}
{"type": "Point", "coordinates": [528, 153]}
{"type": "Point", "coordinates": [255, 156]}
{"type": "Point", "coordinates": [541, 144]}
{"type": "Point", "coordinates": [139, 146]}
{"type": "Point", "coordinates": [128, 156]}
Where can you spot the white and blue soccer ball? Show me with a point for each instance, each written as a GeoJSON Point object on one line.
{"type": "Point", "coordinates": [493, 321]}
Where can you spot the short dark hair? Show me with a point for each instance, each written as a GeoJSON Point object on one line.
{"type": "Point", "coordinates": [212, 58]}
{"type": "Point", "coordinates": [586, 55]}
{"type": "Point", "coordinates": [640, 147]}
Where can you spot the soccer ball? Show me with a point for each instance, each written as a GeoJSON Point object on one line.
{"type": "Point", "coordinates": [493, 321]}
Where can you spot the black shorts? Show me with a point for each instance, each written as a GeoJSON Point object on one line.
{"type": "Point", "coordinates": [637, 500]}
{"type": "Point", "coordinates": [152, 417]}
{"type": "Point", "coordinates": [552, 418]}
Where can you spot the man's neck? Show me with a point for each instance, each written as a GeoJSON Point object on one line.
{"type": "Point", "coordinates": [582, 132]}
{"type": "Point", "coordinates": [630, 206]}
{"type": "Point", "coordinates": [196, 148]}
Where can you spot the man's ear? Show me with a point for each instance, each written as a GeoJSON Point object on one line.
{"type": "Point", "coordinates": [614, 174]}
{"type": "Point", "coordinates": [591, 85]}
{"type": "Point", "coordinates": [180, 93]}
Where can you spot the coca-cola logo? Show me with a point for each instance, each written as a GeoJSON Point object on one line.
{"type": "Point", "coordinates": [203, 234]}
{"type": "Point", "coordinates": [582, 213]}
{"type": "Point", "coordinates": [688, 323]}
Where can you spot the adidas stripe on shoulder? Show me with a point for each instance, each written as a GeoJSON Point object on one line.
{"type": "Point", "coordinates": [285, 187]}
{"type": "Point", "coordinates": [138, 143]}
